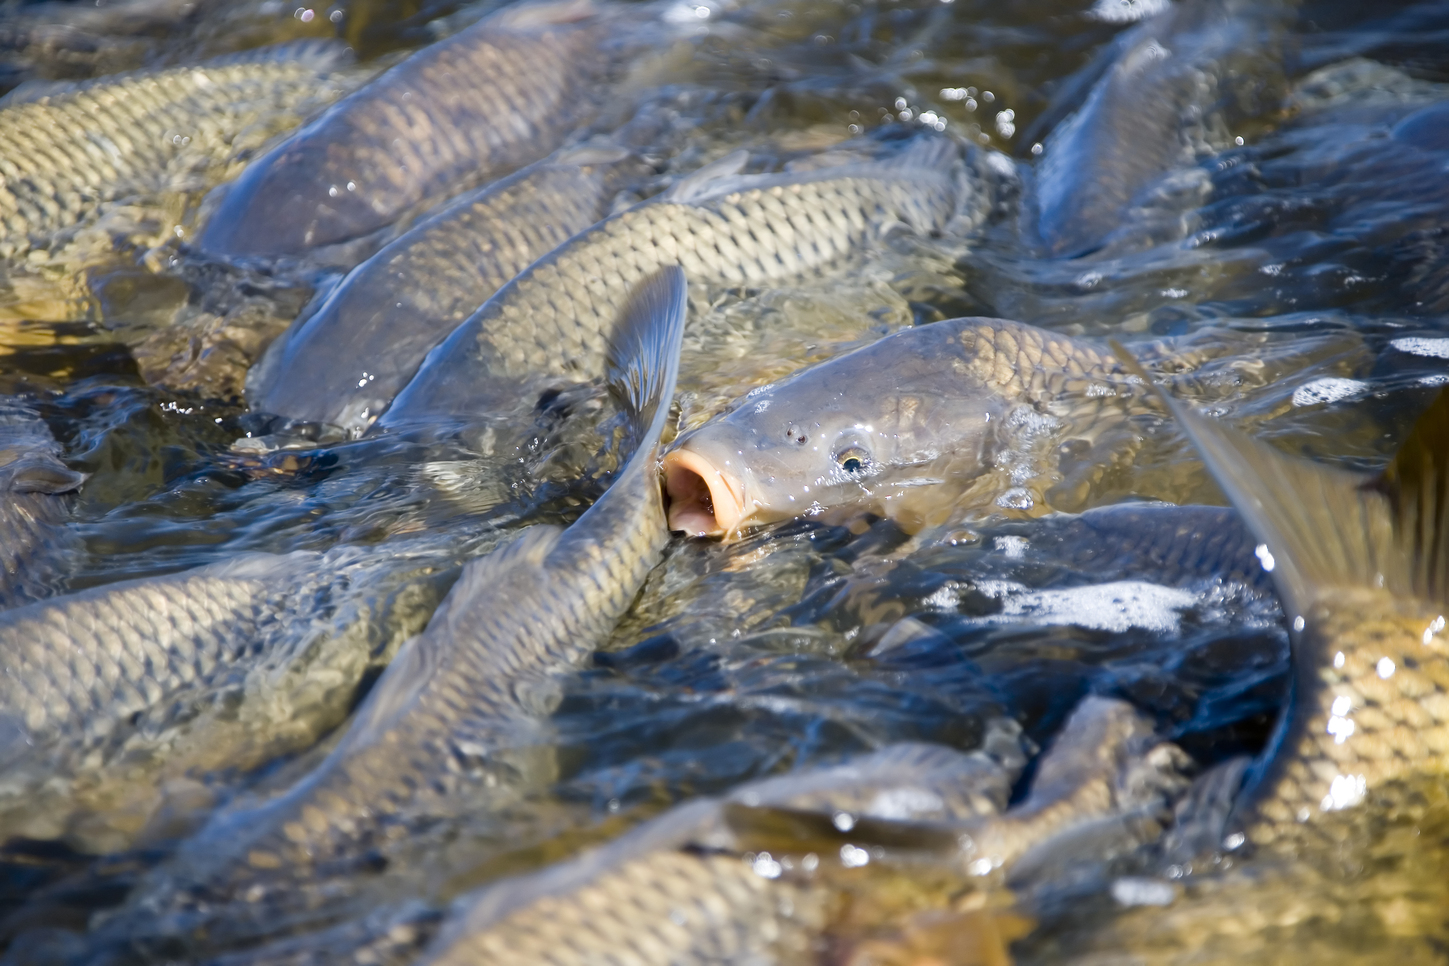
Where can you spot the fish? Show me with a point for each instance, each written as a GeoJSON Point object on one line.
{"type": "Point", "coordinates": [1361, 564]}
{"type": "Point", "coordinates": [65, 153]}
{"type": "Point", "coordinates": [1325, 832]}
{"type": "Point", "coordinates": [36, 496]}
{"type": "Point", "coordinates": [884, 426]}
{"type": "Point", "coordinates": [492, 98]}
{"type": "Point", "coordinates": [222, 666]}
{"type": "Point", "coordinates": [550, 322]}
{"type": "Point", "coordinates": [695, 885]}
{"type": "Point", "coordinates": [1179, 81]}
{"type": "Point", "coordinates": [454, 722]}
{"type": "Point", "coordinates": [341, 365]}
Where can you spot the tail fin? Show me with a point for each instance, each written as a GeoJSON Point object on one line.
{"type": "Point", "coordinates": [1322, 527]}
{"type": "Point", "coordinates": [644, 351]}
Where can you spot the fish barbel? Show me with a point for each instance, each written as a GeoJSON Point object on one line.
{"type": "Point", "coordinates": [494, 97]}
{"type": "Point", "coordinates": [550, 323]}
{"type": "Point", "coordinates": [341, 366]}
{"type": "Point", "coordinates": [65, 153]}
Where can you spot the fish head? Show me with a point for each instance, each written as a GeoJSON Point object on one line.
{"type": "Point", "coordinates": [865, 430]}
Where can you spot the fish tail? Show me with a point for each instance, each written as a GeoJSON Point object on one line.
{"type": "Point", "coordinates": [1323, 527]}
{"type": "Point", "coordinates": [644, 352]}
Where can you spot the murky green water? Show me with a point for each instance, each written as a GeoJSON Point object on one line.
{"type": "Point", "coordinates": [1303, 260]}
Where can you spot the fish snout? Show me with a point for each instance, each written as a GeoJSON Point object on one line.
{"type": "Point", "coordinates": [702, 499]}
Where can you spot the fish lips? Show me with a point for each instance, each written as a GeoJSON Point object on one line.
{"type": "Point", "coordinates": [704, 500]}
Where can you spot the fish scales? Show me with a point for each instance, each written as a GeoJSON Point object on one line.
{"type": "Point", "coordinates": [682, 889]}
{"type": "Point", "coordinates": [88, 660]}
{"type": "Point", "coordinates": [63, 154]}
{"type": "Point", "coordinates": [1359, 562]}
{"type": "Point", "coordinates": [474, 687]}
{"type": "Point", "coordinates": [1358, 760]}
{"type": "Point", "coordinates": [551, 320]}
{"type": "Point", "coordinates": [342, 365]}
{"type": "Point", "coordinates": [492, 98]}
{"type": "Point", "coordinates": [35, 501]}
{"type": "Point", "coordinates": [480, 670]}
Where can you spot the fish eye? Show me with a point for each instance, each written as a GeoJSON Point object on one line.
{"type": "Point", "coordinates": [853, 460]}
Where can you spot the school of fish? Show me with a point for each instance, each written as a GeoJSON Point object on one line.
{"type": "Point", "coordinates": [578, 482]}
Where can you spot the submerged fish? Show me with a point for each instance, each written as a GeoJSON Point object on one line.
{"type": "Point", "coordinates": [34, 507]}
{"type": "Point", "coordinates": [1362, 565]}
{"type": "Point", "coordinates": [881, 427]}
{"type": "Point", "coordinates": [1179, 79]}
{"type": "Point", "coordinates": [684, 889]}
{"type": "Point", "coordinates": [341, 366]}
{"type": "Point", "coordinates": [455, 719]}
{"type": "Point", "coordinates": [65, 153]}
{"type": "Point", "coordinates": [724, 229]}
{"type": "Point", "coordinates": [223, 666]}
{"type": "Point", "coordinates": [496, 96]}
{"type": "Point", "coordinates": [1331, 814]}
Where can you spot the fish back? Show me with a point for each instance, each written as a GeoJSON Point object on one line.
{"type": "Point", "coordinates": [63, 154]}
{"type": "Point", "coordinates": [480, 104]}
{"type": "Point", "coordinates": [552, 320]}
{"type": "Point", "coordinates": [342, 365]}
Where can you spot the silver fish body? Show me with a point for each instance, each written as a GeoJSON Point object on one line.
{"type": "Point", "coordinates": [551, 322]}
{"type": "Point", "coordinates": [445, 729]}
{"type": "Point", "coordinates": [340, 366]}
{"type": "Point", "coordinates": [219, 667]}
{"type": "Point", "coordinates": [1178, 82]}
{"type": "Point", "coordinates": [64, 154]}
{"type": "Point", "coordinates": [35, 498]}
{"type": "Point", "coordinates": [683, 889]}
{"type": "Point", "coordinates": [884, 425]}
{"type": "Point", "coordinates": [1330, 815]}
{"type": "Point", "coordinates": [496, 96]}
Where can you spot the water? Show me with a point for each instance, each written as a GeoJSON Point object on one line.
{"type": "Point", "coordinates": [1305, 257]}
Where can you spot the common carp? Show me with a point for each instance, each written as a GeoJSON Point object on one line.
{"type": "Point", "coordinates": [455, 721]}
{"type": "Point", "coordinates": [34, 507]}
{"type": "Point", "coordinates": [549, 324]}
{"type": "Point", "coordinates": [63, 154]}
{"type": "Point", "coordinates": [1338, 839]}
{"type": "Point", "coordinates": [496, 96]}
{"type": "Point", "coordinates": [220, 667]}
{"type": "Point", "coordinates": [882, 426]}
{"type": "Point", "coordinates": [1179, 81]}
{"type": "Point", "coordinates": [341, 366]}
{"type": "Point", "coordinates": [683, 888]}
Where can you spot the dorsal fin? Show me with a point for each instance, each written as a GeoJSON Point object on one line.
{"type": "Point", "coordinates": [644, 348]}
{"type": "Point", "coordinates": [1324, 527]}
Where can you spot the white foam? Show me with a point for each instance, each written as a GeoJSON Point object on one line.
{"type": "Point", "coordinates": [904, 804]}
{"type": "Point", "coordinates": [1014, 547]}
{"type": "Point", "coordinates": [1125, 11]}
{"type": "Point", "coordinates": [1135, 891]}
{"type": "Point", "coordinates": [1328, 389]}
{"type": "Point", "coordinates": [1419, 346]}
{"type": "Point", "coordinates": [1108, 607]}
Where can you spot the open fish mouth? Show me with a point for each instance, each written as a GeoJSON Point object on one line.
{"type": "Point", "coordinates": [702, 500]}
